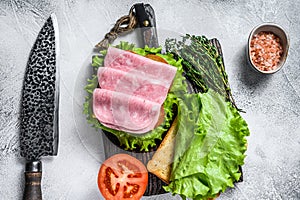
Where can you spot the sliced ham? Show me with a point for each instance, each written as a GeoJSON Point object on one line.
{"type": "Point", "coordinates": [132, 91]}
{"type": "Point", "coordinates": [121, 111]}
{"type": "Point", "coordinates": [137, 64]}
{"type": "Point", "coordinates": [132, 84]}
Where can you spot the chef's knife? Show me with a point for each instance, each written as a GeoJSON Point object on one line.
{"type": "Point", "coordinates": [39, 107]}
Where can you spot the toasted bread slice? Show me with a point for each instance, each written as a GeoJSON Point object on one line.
{"type": "Point", "coordinates": [160, 164]}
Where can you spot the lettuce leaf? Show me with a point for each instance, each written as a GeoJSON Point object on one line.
{"type": "Point", "coordinates": [210, 146]}
{"type": "Point", "coordinates": [147, 140]}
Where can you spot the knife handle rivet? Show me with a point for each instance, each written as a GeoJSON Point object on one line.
{"type": "Point", "coordinates": [146, 23]}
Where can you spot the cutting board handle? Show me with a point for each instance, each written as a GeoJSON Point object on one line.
{"type": "Point", "coordinates": [33, 177]}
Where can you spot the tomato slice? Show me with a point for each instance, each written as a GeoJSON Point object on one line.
{"type": "Point", "coordinates": [122, 177]}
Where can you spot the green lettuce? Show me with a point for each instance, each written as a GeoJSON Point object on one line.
{"type": "Point", "coordinates": [210, 146]}
{"type": "Point", "coordinates": [149, 139]}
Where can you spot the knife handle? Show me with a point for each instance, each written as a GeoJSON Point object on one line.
{"type": "Point", "coordinates": [33, 177]}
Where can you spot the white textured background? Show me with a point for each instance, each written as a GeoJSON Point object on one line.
{"type": "Point", "coordinates": [272, 103]}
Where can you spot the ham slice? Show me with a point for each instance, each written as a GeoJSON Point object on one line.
{"type": "Point", "coordinates": [132, 91]}
{"type": "Point", "coordinates": [125, 112]}
{"type": "Point", "coordinates": [132, 84]}
{"type": "Point", "coordinates": [139, 65]}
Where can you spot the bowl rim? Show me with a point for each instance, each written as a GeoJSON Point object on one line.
{"type": "Point", "coordinates": [286, 49]}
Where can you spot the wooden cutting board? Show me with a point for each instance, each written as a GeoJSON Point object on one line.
{"type": "Point", "coordinates": [112, 147]}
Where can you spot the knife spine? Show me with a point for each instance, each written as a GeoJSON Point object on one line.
{"type": "Point", "coordinates": [57, 85]}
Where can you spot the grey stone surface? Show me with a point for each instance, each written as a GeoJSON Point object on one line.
{"type": "Point", "coordinates": [272, 103]}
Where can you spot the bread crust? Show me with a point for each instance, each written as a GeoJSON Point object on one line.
{"type": "Point", "coordinates": [161, 162]}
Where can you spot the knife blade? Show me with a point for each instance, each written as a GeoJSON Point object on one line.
{"type": "Point", "coordinates": [39, 107]}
